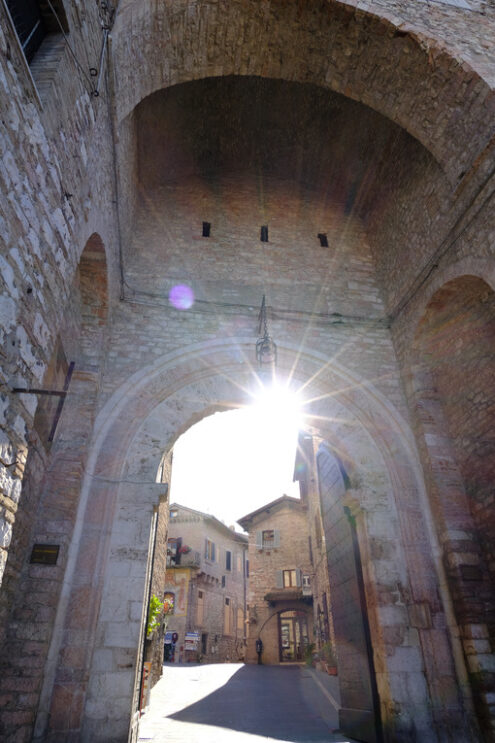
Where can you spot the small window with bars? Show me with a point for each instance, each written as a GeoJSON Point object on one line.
{"type": "Point", "coordinates": [268, 539]}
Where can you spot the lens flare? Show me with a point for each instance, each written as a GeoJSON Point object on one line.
{"type": "Point", "coordinates": [277, 402]}
{"type": "Point", "coordinates": [181, 297]}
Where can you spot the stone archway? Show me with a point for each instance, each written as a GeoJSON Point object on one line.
{"type": "Point", "coordinates": [142, 419]}
{"type": "Point", "coordinates": [405, 72]}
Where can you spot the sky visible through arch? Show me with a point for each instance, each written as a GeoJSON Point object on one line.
{"type": "Point", "coordinates": [231, 463]}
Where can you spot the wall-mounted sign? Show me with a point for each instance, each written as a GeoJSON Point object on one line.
{"type": "Point", "coordinates": [45, 554]}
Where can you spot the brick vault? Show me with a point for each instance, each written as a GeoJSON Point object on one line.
{"type": "Point", "coordinates": [361, 136]}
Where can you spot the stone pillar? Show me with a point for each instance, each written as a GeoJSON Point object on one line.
{"type": "Point", "coordinates": [121, 623]}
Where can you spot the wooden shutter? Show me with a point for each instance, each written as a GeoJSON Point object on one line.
{"type": "Point", "coordinates": [259, 540]}
{"type": "Point", "coordinates": [298, 577]}
{"type": "Point", "coordinates": [280, 579]}
{"type": "Point", "coordinates": [213, 557]}
{"type": "Point", "coordinates": [276, 538]}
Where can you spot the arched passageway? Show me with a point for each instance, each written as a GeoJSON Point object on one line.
{"type": "Point", "coordinates": [366, 202]}
{"type": "Point", "coordinates": [144, 418]}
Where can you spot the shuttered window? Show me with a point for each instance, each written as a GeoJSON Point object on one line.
{"type": "Point", "coordinates": [290, 578]}
{"type": "Point", "coordinates": [200, 612]}
{"type": "Point", "coordinates": [227, 618]}
{"type": "Point", "coordinates": [228, 560]}
{"type": "Point", "coordinates": [210, 550]}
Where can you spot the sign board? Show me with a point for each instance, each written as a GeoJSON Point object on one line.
{"type": "Point", "coordinates": [45, 554]}
{"type": "Point", "coordinates": [191, 640]}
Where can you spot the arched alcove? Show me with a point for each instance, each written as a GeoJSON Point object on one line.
{"type": "Point", "coordinates": [452, 376]}
{"type": "Point", "coordinates": [51, 484]}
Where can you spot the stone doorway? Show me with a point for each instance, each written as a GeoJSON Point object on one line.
{"type": "Point", "coordinates": [293, 635]}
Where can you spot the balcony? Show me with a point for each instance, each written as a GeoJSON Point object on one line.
{"type": "Point", "coordinates": [190, 559]}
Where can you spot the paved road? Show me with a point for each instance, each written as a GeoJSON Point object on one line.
{"type": "Point", "coordinates": [235, 703]}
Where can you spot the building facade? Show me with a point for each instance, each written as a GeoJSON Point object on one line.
{"type": "Point", "coordinates": [280, 594]}
{"type": "Point", "coordinates": [306, 474]}
{"type": "Point", "coordinates": [359, 136]}
{"type": "Point", "coordinates": [207, 583]}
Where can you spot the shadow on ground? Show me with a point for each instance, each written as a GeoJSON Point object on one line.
{"type": "Point", "coordinates": [269, 701]}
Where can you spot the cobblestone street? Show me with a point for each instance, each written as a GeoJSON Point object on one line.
{"type": "Point", "coordinates": [242, 704]}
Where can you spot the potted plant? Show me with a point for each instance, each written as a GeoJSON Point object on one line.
{"type": "Point", "coordinates": [154, 611]}
{"type": "Point", "coordinates": [309, 652]}
{"type": "Point", "coordinates": [329, 658]}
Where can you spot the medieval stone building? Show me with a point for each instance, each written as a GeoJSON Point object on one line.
{"type": "Point", "coordinates": [206, 582]}
{"type": "Point", "coordinates": [163, 165]}
{"type": "Point", "coordinates": [280, 609]}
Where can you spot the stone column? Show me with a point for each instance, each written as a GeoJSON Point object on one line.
{"type": "Point", "coordinates": [121, 622]}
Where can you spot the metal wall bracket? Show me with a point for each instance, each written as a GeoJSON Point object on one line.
{"type": "Point", "coordinates": [52, 393]}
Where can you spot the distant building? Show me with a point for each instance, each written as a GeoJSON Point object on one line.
{"type": "Point", "coordinates": [280, 593]}
{"type": "Point", "coordinates": [206, 587]}
{"type": "Point", "coordinates": [306, 472]}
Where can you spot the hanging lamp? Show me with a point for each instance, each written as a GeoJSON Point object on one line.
{"type": "Point", "coordinates": [266, 348]}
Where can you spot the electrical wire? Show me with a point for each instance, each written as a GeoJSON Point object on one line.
{"type": "Point", "coordinates": [276, 313]}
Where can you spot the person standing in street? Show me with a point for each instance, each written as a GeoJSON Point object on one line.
{"type": "Point", "coordinates": [259, 650]}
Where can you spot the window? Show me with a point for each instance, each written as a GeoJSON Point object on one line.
{"type": "Point", "coordinates": [240, 621]}
{"type": "Point", "coordinates": [200, 609]}
{"type": "Point", "coordinates": [33, 20]}
{"type": "Point", "coordinates": [228, 560]}
{"type": "Point", "coordinates": [267, 539]}
{"type": "Point", "coordinates": [223, 581]}
{"type": "Point", "coordinates": [209, 550]}
{"type": "Point", "coordinates": [173, 552]}
{"type": "Point", "coordinates": [290, 578]}
{"type": "Point", "coordinates": [227, 618]}
{"type": "Point", "coordinates": [247, 568]}
{"type": "Point", "coordinates": [310, 546]}
{"type": "Point", "coordinates": [204, 643]}
{"type": "Point", "coordinates": [174, 513]}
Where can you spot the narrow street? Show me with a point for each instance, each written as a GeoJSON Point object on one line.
{"type": "Point", "coordinates": [236, 703]}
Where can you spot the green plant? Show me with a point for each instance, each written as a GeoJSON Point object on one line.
{"type": "Point", "coordinates": [327, 653]}
{"type": "Point", "coordinates": [308, 653]}
{"type": "Point", "coordinates": [154, 611]}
